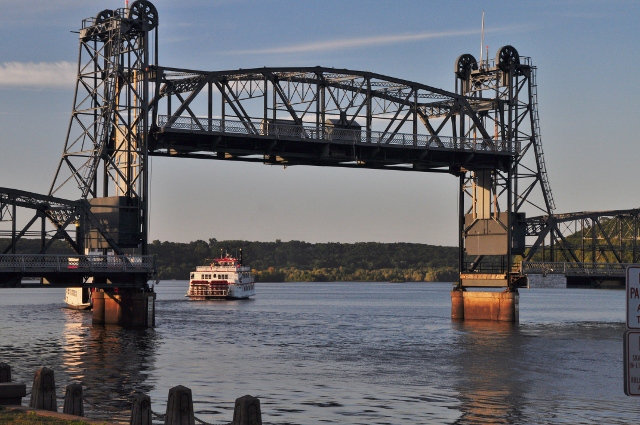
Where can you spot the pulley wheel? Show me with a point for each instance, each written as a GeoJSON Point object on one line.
{"type": "Point", "coordinates": [463, 66]}
{"type": "Point", "coordinates": [104, 16]}
{"type": "Point", "coordinates": [507, 56]}
{"type": "Point", "coordinates": [144, 13]}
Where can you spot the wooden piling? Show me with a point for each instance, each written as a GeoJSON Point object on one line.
{"type": "Point", "coordinates": [73, 400]}
{"type": "Point", "coordinates": [180, 407]}
{"type": "Point", "coordinates": [141, 410]}
{"type": "Point", "coordinates": [5, 373]}
{"type": "Point", "coordinates": [43, 391]}
{"type": "Point", "coordinates": [247, 411]}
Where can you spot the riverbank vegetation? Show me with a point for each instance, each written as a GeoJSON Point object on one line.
{"type": "Point", "coordinates": [297, 261]}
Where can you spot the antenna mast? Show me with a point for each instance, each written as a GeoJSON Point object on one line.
{"type": "Point", "coordinates": [482, 41]}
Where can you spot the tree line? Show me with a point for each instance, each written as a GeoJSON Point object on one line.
{"type": "Point", "coordinates": [298, 261]}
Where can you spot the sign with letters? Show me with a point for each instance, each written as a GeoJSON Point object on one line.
{"type": "Point", "coordinates": [632, 362]}
{"type": "Point", "coordinates": [633, 297]}
{"type": "Point", "coordinates": [632, 337]}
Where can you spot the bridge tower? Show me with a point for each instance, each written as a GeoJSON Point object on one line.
{"type": "Point", "coordinates": [105, 159]}
{"type": "Point", "coordinates": [503, 93]}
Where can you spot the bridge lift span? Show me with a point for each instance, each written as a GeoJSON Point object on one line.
{"type": "Point", "coordinates": [128, 108]}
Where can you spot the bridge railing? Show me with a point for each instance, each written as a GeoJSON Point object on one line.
{"type": "Point", "coordinates": [575, 269]}
{"type": "Point", "coordinates": [337, 135]}
{"type": "Point", "coordinates": [76, 263]}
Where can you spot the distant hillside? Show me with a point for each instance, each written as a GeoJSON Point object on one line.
{"type": "Point", "coordinates": [297, 261]}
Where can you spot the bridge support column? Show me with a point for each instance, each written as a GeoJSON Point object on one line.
{"type": "Point", "coordinates": [481, 305]}
{"type": "Point", "coordinates": [124, 308]}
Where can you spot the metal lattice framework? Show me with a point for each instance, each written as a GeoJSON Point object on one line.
{"type": "Point", "coordinates": [70, 220]}
{"type": "Point", "coordinates": [486, 132]}
{"type": "Point", "coordinates": [503, 93]}
{"type": "Point", "coordinates": [105, 149]}
{"type": "Point", "coordinates": [317, 116]}
{"type": "Point", "coordinates": [586, 237]}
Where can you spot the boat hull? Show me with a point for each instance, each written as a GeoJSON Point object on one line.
{"type": "Point", "coordinates": [78, 298]}
{"type": "Point", "coordinates": [79, 306]}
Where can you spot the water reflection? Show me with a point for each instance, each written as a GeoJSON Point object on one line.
{"type": "Point", "coordinates": [110, 362]}
{"type": "Point", "coordinates": [491, 389]}
{"type": "Point", "coordinates": [337, 353]}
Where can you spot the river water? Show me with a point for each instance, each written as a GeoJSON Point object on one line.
{"type": "Point", "coordinates": [342, 353]}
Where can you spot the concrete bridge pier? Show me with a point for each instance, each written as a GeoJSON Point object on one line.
{"type": "Point", "coordinates": [483, 305]}
{"type": "Point", "coordinates": [124, 307]}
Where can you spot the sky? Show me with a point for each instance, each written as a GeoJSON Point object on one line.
{"type": "Point", "coordinates": [586, 53]}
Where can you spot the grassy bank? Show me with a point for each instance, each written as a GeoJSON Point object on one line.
{"type": "Point", "coordinates": [30, 418]}
{"type": "Point", "coordinates": [19, 417]}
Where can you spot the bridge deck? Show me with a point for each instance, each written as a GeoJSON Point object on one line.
{"type": "Point", "coordinates": [71, 270]}
{"type": "Point", "coordinates": [311, 145]}
{"type": "Point", "coordinates": [603, 270]}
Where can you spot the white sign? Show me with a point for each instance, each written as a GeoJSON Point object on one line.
{"type": "Point", "coordinates": [632, 362]}
{"type": "Point", "coordinates": [633, 297]}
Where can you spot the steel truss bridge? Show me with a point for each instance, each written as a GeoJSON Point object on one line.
{"type": "Point", "coordinates": [127, 107]}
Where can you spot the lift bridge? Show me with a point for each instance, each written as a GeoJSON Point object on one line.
{"type": "Point", "coordinates": [127, 107]}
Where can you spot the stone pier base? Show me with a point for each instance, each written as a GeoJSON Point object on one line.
{"type": "Point", "coordinates": [124, 308]}
{"type": "Point", "coordinates": [497, 306]}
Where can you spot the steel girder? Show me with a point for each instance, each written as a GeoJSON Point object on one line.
{"type": "Point", "coordinates": [586, 237]}
{"type": "Point", "coordinates": [317, 116]}
{"type": "Point", "coordinates": [70, 220]}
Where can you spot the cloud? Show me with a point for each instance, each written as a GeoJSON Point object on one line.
{"type": "Point", "coordinates": [37, 75]}
{"type": "Point", "coordinates": [351, 43]}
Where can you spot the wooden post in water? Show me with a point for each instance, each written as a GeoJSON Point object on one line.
{"type": "Point", "coordinates": [5, 372]}
{"type": "Point", "coordinates": [141, 410]}
{"type": "Point", "coordinates": [180, 407]}
{"type": "Point", "coordinates": [43, 391]}
{"type": "Point", "coordinates": [73, 402]}
{"type": "Point", "coordinates": [247, 411]}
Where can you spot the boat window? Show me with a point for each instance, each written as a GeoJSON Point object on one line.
{"type": "Point", "coordinates": [192, 275]}
{"type": "Point", "coordinates": [215, 275]}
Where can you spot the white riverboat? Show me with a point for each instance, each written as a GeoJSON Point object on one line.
{"type": "Point", "coordinates": [78, 298]}
{"type": "Point", "coordinates": [224, 278]}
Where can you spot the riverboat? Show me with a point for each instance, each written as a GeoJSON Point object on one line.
{"type": "Point", "coordinates": [78, 298]}
{"type": "Point", "coordinates": [224, 278]}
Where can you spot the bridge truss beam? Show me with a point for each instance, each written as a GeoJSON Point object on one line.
{"type": "Point", "coordinates": [586, 237]}
{"type": "Point", "coordinates": [71, 220]}
{"type": "Point", "coordinates": [317, 116]}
